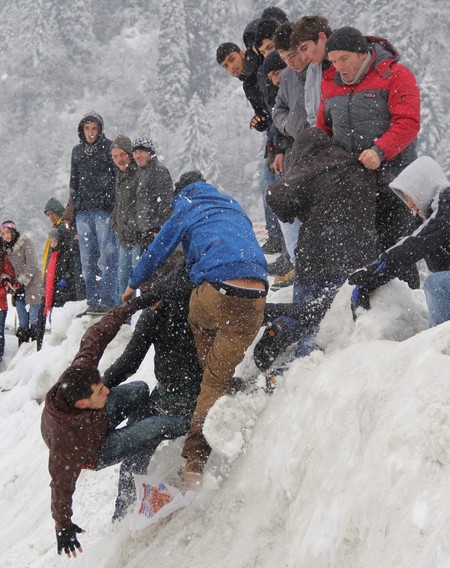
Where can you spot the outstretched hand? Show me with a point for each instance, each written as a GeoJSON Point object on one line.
{"type": "Point", "coordinates": [67, 540]}
{"type": "Point", "coordinates": [128, 294]}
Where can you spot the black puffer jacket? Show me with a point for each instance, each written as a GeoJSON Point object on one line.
{"type": "Point", "coordinates": [93, 173]}
{"type": "Point", "coordinates": [334, 197]}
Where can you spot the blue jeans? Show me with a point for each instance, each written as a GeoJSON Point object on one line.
{"type": "Point", "coordinates": [437, 294]}
{"type": "Point", "coordinates": [301, 319]}
{"type": "Point", "coordinates": [127, 261]}
{"type": "Point", "coordinates": [27, 317]}
{"type": "Point", "coordinates": [143, 433]}
{"type": "Point", "coordinates": [2, 332]}
{"type": "Point", "coordinates": [99, 255]}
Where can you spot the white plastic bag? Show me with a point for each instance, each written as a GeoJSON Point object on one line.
{"type": "Point", "coordinates": [155, 500]}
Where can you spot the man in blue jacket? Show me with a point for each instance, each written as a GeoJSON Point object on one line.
{"type": "Point", "coordinates": [226, 264]}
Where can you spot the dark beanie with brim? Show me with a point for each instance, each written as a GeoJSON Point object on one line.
{"type": "Point", "coordinates": [54, 206]}
{"type": "Point", "coordinates": [272, 62]}
{"type": "Point", "coordinates": [124, 143]}
{"type": "Point", "coordinates": [347, 39]}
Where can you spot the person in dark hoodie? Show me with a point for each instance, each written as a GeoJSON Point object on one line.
{"type": "Point", "coordinates": [176, 366]}
{"type": "Point", "coordinates": [226, 264]}
{"type": "Point", "coordinates": [425, 189]}
{"type": "Point", "coordinates": [335, 198]}
{"type": "Point", "coordinates": [371, 107]}
{"type": "Point", "coordinates": [92, 196]}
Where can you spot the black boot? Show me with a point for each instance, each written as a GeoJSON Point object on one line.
{"type": "Point", "coordinates": [33, 333]}
{"type": "Point", "coordinates": [23, 335]}
{"type": "Point", "coordinates": [273, 341]}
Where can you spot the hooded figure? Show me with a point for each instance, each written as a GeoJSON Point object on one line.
{"type": "Point", "coordinates": [92, 193]}
{"type": "Point", "coordinates": [424, 187]}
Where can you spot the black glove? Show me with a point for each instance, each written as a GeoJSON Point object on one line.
{"type": "Point", "coordinates": [360, 299]}
{"type": "Point", "coordinates": [67, 539]}
{"type": "Point", "coordinates": [259, 123]}
{"type": "Point", "coordinates": [19, 294]}
{"type": "Point", "coordinates": [143, 301]}
{"type": "Point", "coordinates": [379, 269]}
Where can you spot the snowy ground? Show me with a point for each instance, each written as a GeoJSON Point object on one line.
{"type": "Point", "coordinates": [345, 465]}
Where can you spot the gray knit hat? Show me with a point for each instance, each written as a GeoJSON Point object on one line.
{"type": "Point", "coordinates": [144, 143]}
{"type": "Point", "coordinates": [124, 143]}
{"type": "Point", "coordinates": [347, 39]}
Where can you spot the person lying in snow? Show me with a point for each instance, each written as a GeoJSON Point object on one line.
{"type": "Point", "coordinates": [81, 417]}
{"type": "Point", "coordinates": [424, 187]}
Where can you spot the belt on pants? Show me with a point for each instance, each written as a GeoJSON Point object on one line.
{"type": "Point", "coordinates": [229, 290]}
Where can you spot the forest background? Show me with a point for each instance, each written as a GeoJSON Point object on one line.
{"type": "Point", "coordinates": [149, 67]}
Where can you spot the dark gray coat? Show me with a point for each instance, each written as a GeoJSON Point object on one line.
{"type": "Point", "coordinates": [154, 194]}
{"type": "Point", "coordinates": [334, 197]}
{"type": "Point", "coordinates": [124, 219]}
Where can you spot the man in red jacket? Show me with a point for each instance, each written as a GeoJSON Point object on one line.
{"type": "Point", "coordinates": [371, 107]}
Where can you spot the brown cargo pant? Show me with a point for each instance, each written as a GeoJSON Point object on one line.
{"type": "Point", "coordinates": [223, 327]}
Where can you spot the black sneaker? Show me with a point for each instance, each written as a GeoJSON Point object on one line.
{"type": "Point", "coordinates": [271, 344]}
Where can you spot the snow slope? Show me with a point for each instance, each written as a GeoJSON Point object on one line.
{"type": "Point", "coordinates": [346, 464]}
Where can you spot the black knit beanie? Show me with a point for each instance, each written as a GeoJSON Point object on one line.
{"type": "Point", "coordinates": [187, 179]}
{"type": "Point", "coordinates": [272, 62]}
{"type": "Point", "coordinates": [347, 39]}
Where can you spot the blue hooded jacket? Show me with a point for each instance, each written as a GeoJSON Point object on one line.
{"type": "Point", "coordinates": [217, 238]}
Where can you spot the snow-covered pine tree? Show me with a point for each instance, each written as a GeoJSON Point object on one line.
{"type": "Point", "coordinates": [172, 81]}
{"type": "Point", "coordinates": [200, 48]}
{"type": "Point", "coordinates": [196, 149]}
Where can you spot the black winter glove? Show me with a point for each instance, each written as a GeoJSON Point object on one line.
{"type": "Point", "coordinates": [259, 123]}
{"type": "Point", "coordinates": [374, 270]}
{"type": "Point", "coordinates": [360, 299]}
{"type": "Point", "coordinates": [67, 540]}
{"type": "Point", "coordinates": [143, 301]}
{"type": "Point", "coordinates": [19, 294]}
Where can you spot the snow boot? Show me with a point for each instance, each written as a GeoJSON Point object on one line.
{"type": "Point", "coordinates": [273, 341]}
{"type": "Point", "coordinates": [23, 335]}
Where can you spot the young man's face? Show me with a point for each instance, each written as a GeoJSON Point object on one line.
{"type": "Point", "coordinates": [266, 47]}
{"type": "Point", "coordinates": [293, 59]}
{"type": "Point", "coordinates": [97, 399]}
{"type": "Point", "coordinates": [347, 63]}
{"type": "Point", "coordinates": [234, 63]}
{"type": "Point", "coordinates": [121, 158]}
{"type": "Point", "coordinates": [141, 157]}
{"type": "Point", "coordinates": [52, 216]}
{"type": "Point", "coordinates": [91, 131]}
{"type": "Point", "coordinates": [413, 205]}
{"type": "Point", "coordinates": [313, 51]}
{"type": "Point", "coordinates": [275, 76]}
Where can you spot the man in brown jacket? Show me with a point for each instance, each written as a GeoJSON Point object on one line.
{"type": "Point", "coordinates": [80, 420]}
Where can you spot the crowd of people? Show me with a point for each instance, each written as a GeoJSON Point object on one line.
{"type": "Point", "coordinates": [345, 199]}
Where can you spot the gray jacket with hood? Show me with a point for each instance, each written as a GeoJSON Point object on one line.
{"type": "Point", "coordinates": [425, 183]}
